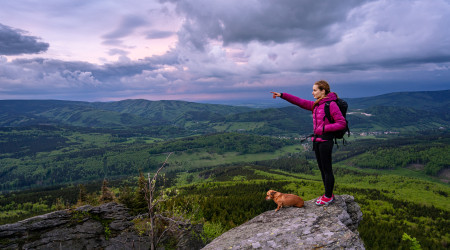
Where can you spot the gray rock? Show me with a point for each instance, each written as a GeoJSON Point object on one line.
{"type": "Point", "coordinates": [329, 227]}
{"type": "Point", "coordinates": [107, 226]}
{"type": "Point", "coordinates": [110, 227]}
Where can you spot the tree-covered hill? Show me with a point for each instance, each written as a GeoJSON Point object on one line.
{"type": "Point", "coordinates": [127, 113]}
{"type": "Point", "coordinates": [422, 100]}
{"type": "Point", "coordinates": [171, 110]}
{"type": "Point", "coordinates": [294, 120]}
{"type": "Point", "coordinates": [407, 111]}
{"type": "Point", "coordinates": [33, 112]}
{"type": "Point", "coordinates": [397, 118]}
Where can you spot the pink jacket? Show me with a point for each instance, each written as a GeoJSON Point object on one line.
{"type": "Point", "coordinates": [319, 113]}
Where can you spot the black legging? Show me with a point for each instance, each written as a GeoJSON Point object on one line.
{"type": "Point", "coordinates": [323, 152]}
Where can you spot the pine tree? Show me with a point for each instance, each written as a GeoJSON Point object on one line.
{"type": "Point", "coordinates": [126, 196]}
{"type": "Point", "coordinates": [107, 195]}
{"type": "Point", "coordinates": [82, 195]}
{"type": "Point", "coordinates": [139, 201]}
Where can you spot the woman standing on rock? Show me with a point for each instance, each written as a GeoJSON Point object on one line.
{"type": "Point", "coordinates": [322, 139]}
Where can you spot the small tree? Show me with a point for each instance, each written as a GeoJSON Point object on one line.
{"type": "Point", "coordinates": [82, 195]}
{"type": "Point", "coordinates": [107, 195]}
{"type": "Point", "coordinates": [126, 196]}
{"type": "Point", "coordinates": [138, 202]}
{"type": "Point", "coordinates": [160, 224]}
{"type": "Point", "coordinates": [150, 195]}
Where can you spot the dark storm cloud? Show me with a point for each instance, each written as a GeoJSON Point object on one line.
{"type": "Point", "coordinates": [314, 36]}
{"type": "Point", "coordinates": [236, 49]}
{"type": "Point", "coordinates": [15, 42]}
{"type": "Point", "coordinates": [390, 63]}
{"type": "Point", "coordinates": [310, 22]}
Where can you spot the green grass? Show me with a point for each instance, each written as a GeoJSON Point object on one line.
{"type": "Point", "coordinates": [403, 172]}
{"type": "Point", "coordinates": [237, 126]}
{"type": "Point", "coordinates": [185, 160]}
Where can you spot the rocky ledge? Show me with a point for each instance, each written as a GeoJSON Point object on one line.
{"type": "Point", "coordinates": [108, 226]}
{"type": "Point", "coordinates": [310, 227]}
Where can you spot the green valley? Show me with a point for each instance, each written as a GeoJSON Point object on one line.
{"type": "Point", "coordinates": [395, 163]}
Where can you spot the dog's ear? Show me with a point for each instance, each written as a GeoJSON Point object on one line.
{"type": "Point", "coordinates": [273, 193]}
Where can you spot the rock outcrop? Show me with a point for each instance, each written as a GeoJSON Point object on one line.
{"type": "Point", "coordinates": [108, 226]}
{"type": "Point", "coordinates": [310, 227]}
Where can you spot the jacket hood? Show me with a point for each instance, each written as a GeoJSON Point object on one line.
{"type": "Point", "coordinates": [330, 97]}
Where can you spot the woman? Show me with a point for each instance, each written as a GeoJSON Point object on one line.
{"type": "Point", "coordinates": [322, 139]}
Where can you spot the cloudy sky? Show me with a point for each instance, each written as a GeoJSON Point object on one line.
{"type": "Point", "coordinates": [220, 51]}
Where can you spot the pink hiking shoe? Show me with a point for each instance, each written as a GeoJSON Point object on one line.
{"type": "Point", "coordinates": [323, 200]}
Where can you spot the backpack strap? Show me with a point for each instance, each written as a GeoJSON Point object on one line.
{"type": "Point", "coordinates": [327, 115]}
{"type": "Point", "coordinates": [327, 112]}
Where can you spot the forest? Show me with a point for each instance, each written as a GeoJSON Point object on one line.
{"type": "Point", "coordinates": [55, 155]}
{"type": "Point", "coordinates": [221, 194]}
{"type": "Point", "coordinates": [51, 156]}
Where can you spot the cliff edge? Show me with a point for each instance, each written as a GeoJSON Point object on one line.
{"type": "Point", "coordinates": [110, 226]}
{"type": "Point", "coordinates": [329, 227]}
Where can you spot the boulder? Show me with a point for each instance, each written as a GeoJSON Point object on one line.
{"type": "Point", "coordinates": [310, 227]}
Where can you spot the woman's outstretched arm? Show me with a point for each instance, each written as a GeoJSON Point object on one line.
{"type": "Point", "coordinates": [302, 103]}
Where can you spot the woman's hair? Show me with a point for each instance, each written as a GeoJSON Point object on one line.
{"type": "Point", "coordinates": [322, 85]}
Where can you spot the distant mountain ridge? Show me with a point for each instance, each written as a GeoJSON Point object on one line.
{"type": "Point", "coordinates": [169, 110]}
{"type": "Point", "coordinates": [423, 100]}
{"type": "Point", "coordinates": [108, 114]}
{"type": "Point", "coordinates": [389, 111]}
{"type": "Point", "coordinates": [32, 112]}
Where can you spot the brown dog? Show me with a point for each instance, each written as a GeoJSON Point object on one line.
{"type": "Point", "coordinates": [284, 200]}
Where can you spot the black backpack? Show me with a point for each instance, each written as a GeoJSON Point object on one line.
{"type": "Point", "coordinates": [343, 106]}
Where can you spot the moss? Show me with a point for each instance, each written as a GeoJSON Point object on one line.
{"type": "Point", "coordinates": [80, 216]}
{"type": "Point", "coordinates": [106, 230]}
{"type": "Point", "coordinates": [105, 223]}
